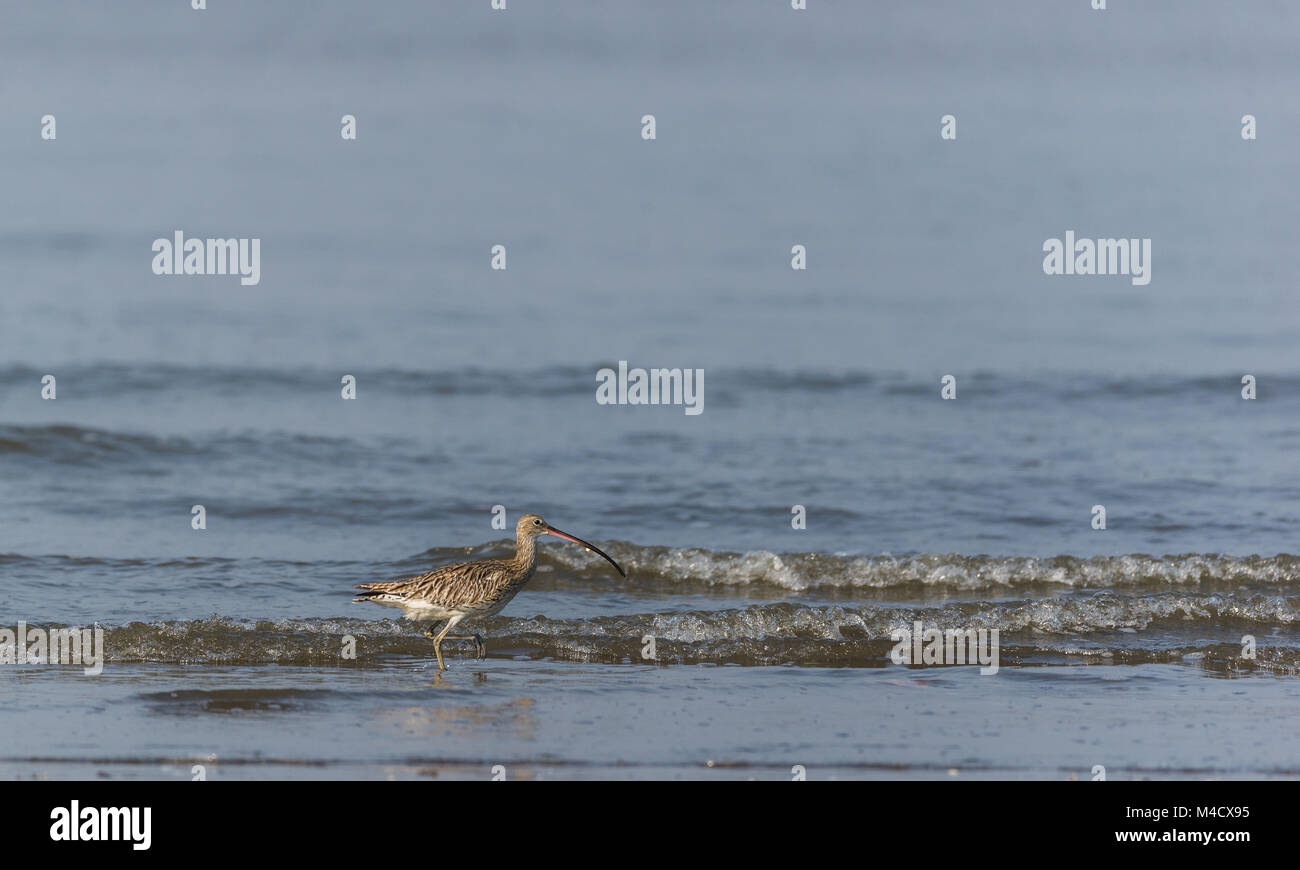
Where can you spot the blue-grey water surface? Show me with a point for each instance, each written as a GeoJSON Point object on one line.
{"type": "Point", "coordinates": [477, 387]}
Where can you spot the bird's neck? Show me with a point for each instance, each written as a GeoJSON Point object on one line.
{"type": "Point", "coordinates": [526, 552]}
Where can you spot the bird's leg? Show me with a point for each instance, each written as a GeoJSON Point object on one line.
{"type": "Point", "coordinates": [437, 651]}
{"type": "Point", "coordinates": [480, 648]}
{"type": "Point", "coordinates": [437, 643]}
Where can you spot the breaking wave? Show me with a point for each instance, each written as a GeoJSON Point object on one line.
{"type": "Point", "coordinates": [1104, 628]}
{"type": "Point", "coordinates": [809, 571]}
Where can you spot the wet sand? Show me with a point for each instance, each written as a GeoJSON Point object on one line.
{"type": "Point", "coordinates": [560, 720]}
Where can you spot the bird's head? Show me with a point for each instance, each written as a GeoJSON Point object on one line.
{"type": "Point", "coordinates": [533, 526]}
{"type": "Point", "coordinates": [530, 526]}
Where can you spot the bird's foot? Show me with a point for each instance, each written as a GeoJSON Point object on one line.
{"type": "Point", "coordinates": [480, 646]}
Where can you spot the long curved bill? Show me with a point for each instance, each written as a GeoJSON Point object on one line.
{"type": "Point", "coordinates": [550, 530]}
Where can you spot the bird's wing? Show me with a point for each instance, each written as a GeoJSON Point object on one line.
{"type": "Point", "coordinates": [449, 585]}
{"type": "Point", "coordinates": [407, 587]}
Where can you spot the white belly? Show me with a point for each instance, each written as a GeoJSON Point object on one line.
{"type": "Point", "coordinates": [418, 611]}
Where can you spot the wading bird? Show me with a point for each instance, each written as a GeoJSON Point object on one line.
{"type": "Point", "coordinates": [471, 591]}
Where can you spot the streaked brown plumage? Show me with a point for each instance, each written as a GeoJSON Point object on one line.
{"type": "Point", "coordinates": [471, 591]}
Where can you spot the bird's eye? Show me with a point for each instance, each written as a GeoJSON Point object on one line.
{"type": "Point", "coordinates": [537, 522]}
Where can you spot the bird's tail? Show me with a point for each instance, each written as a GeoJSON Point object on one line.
{"type": "Point", "coordinates": [371, 591]}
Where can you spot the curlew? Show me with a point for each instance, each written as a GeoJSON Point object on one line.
{"type": "Point", "coordinates": [472, 591]}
